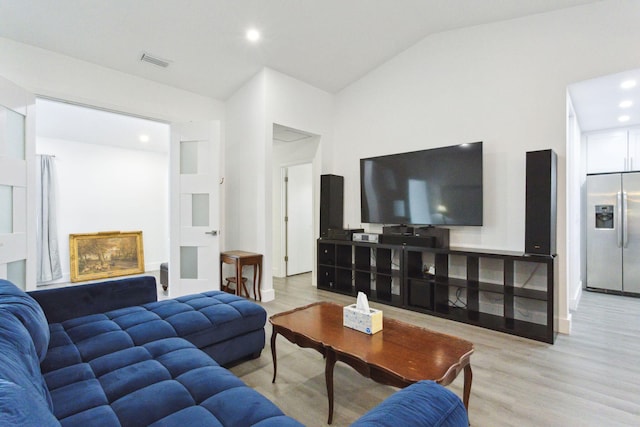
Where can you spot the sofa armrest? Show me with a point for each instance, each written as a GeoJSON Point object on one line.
{"type": "Point", "coordinates": [66, 303]}
{"type": "Point", "coordinates": [423, 404]}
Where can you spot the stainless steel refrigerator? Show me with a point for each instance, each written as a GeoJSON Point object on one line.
{"type": "Point", "coordinates": [613, 232]}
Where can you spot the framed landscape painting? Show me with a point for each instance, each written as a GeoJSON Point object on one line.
{"type": "Point", "coordinates": [108, 254]}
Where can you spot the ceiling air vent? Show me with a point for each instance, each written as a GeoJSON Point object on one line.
{"type": "Point", "coordinates": [154, 60]}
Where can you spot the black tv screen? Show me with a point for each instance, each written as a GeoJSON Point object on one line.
{"type": "Point", "coordinates": [440, 186]}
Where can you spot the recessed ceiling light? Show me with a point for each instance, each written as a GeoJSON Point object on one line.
{"type": "Point", "coordinates": [253, 35]}
{"type": "Point", "coordinates": [623, 118]}
{"type": "Point", "coordinates": [144, 138]}
{"type": "Point", "coordinates": [626, 104]}
{"type": "Point", "coordinates": [628, 84]}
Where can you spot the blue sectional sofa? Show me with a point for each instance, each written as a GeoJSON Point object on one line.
{"type": "Point", "coordinates": [110, 354]}
{"type": "Point", "coordinates": [226, 327]}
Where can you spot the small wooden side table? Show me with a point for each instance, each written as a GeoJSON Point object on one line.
{"type": "Point", "coordinates": [240, 259]}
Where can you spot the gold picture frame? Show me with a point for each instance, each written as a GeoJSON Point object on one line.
{"type": "Point", "coordinates": [107, 254]}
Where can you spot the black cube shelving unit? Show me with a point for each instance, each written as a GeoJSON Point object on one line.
{"type": "Point", "coordinates": [504, 291]}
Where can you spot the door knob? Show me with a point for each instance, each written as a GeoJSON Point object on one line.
{"type": "Point", "coordinates": [212, 232]}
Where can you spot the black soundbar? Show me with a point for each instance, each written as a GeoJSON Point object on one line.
{"type": "Point", "coordinates": [426, 237]}
{"type": "Point", "coordinates": [405, 230]}
{"type": "Point", "coordinates": [394, 239]}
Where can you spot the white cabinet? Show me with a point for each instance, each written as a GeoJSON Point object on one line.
{"type": "Point", "coordinates": [613, 151]}
{"type": "Point", "coordinates": [634, 149]}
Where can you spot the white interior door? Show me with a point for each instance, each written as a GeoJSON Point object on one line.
{"type": "Point", "coordinates": [194, 208]}
{"type": "Point", "coordinates": [299, 219]}
{"type": "Point", "coordinates": [17, 182]}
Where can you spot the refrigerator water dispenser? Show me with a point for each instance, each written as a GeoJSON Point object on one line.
{"type": "Point", "coordinates": [604, 216]}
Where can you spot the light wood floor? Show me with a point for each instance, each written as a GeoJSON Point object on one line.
{"type": "Point", "coordinates": [588, 378]}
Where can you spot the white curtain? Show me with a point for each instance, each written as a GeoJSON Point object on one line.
{"type": "Point", "coordinates": [47, 231]}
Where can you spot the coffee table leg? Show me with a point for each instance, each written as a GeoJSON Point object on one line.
{"type": "Point", "coordinates": [330, 362]}
{"type": "Point", "coordinates": [273, 354]}
{"type": "Point", "coordinates": [468, 377]}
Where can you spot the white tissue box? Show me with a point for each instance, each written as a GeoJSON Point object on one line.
{"type": "Point", "coordinates": [369, 323]}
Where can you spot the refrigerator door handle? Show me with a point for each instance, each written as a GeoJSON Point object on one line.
{"type": "Point", "coordinates": [619, 221]}
{"type": "Point", "coordinates": [625, 229]}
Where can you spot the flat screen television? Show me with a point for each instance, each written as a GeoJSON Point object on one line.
{"type": "Point", "coordinates": [439, 186]}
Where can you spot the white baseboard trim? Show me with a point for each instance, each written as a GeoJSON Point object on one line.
{"type": "Point", "coordinates": [268, 295]}
{"type": "Point", "coordinates": [575, 299]}
{"type": "Point", "coordinates": [564, 325]}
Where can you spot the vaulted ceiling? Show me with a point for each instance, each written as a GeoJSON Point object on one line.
{"type": "Point", "coordinates": [326, 43]}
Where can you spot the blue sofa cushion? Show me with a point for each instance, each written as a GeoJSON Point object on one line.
{"type": "Point", "coordinates": [25, 308]}
{"type": "Point", "coordinates": [19, 363]}
{"type": "Point", "coordinates": [19, 408]}
{"type": "Point", "coordinates": [423, 404]}
{"type": "Point", "coordinates": [62, 304]}
{"type": "Point", "coordinates": [210, 317]}
{"type": "Point", "coordinates": [227, 327]}
{"type": "Point", "coordinates": [109, 379]}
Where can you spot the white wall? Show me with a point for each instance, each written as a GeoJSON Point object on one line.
{"type": "Point", "coordinates": [104, 188]}
{"type": "Point", "coordinates": [504, 84]}
{"type": "Point", "coordinates": [244, 157]}
{"type": "Point", "coordinates": [245, 151]}
{"type": "Point", "coordinates": [50, 74]}
{"type": "Point", "coordinates": [57, 76]}
{"type": "Point", "coordinates": [298, 105]}
{"type": "Point", "coordinates": [269, 97]}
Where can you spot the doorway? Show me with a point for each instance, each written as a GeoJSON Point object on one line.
{"type": "Point", "coordinates": [294, 160]}
{"type": "Point", "coordinates": [598, 107]}
{"type": "Point", "coordinates": [112, 174]}
{"type": "Point", "coordinates": [298, 218]}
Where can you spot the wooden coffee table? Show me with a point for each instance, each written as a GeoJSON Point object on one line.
{"type": "Point", "coordinates": [399, 355]}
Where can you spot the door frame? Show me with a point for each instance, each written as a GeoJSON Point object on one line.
{"type": "Point", "coordinates": [283, 223]}
{"type": "Point", "coordinates": [284, 232]}
{"type": "Point", "coordinates": [282, 264]}
{"type": "Point", "coordinates": [309, 152]}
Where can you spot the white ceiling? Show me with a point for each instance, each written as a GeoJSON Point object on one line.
{"type": "Point", "coordinates": [597, 101]}
{"type": "Point", "coordinates": [286, 134]}
{"type": "Point", "coordinates": [326, 43]}
{"type": "Point", "coordinates": [70, 122]}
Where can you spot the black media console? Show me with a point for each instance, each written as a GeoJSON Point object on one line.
{"type": "Point", "coordinates": [504, 291]}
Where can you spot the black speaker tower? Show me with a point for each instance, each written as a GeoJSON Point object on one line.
{"type": "Point", "coordinates": [331, 203]}
{"type": "Point", "coordinates": [540, 212]}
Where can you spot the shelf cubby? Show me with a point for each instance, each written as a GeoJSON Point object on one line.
{"type": "Point", "coordinates": [344, 257]}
